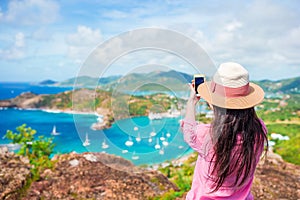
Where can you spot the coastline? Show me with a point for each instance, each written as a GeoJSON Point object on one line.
{"type": "Point", "coordinates": [175, 161]}
{"type": "Point", "coordinates": [103, 121]}
{"type": "Point", "coordinates": [71, 112]}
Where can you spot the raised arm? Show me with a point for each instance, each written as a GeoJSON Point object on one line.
{"type": "Point", "coordinates": [191, 104]}
{"type": "Point", "coordinates": [193, 132]}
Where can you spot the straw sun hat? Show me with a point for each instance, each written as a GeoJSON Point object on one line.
{"type": "Point", "coordinates": [230, 88]}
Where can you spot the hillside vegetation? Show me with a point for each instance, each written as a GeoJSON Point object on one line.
{"type": "Point", "coordinates": [282, 116]}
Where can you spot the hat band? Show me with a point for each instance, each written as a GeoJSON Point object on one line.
{"type": "Point", "coordinates": [228, 91]}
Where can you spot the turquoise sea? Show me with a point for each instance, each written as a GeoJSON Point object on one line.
{"type": "Point", "coordinates": [131, 138]}
{"type": "Point", "coordinates": [73, 129]}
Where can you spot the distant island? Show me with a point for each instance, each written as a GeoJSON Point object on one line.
{"type": "Point", "coordinates": [47, 82]}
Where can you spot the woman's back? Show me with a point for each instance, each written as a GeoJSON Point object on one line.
{"type": "Point", "coordinates": [204, 180]}
{"type": "Point", "coordinates": [229, 148]}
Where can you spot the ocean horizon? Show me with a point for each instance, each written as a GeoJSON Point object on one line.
{"type": "Point", "coordinates": [12, 89]}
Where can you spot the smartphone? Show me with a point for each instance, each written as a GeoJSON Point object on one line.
{"type": "Point", "coordinates": [198, 80]}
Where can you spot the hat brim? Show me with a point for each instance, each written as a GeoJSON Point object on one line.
{"type": "Point", "coordinates": [255, 96]}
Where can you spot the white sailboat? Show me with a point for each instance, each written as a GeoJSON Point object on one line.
{"type": "Point", "coordinates": [135, 157]}
{"type": "Point", "coordinates": [161, 151]}
{"type": "Point", "coordinates": [162, 138]}
{"type": "Point", "coordinates": [87, 141]}
{"type": "Point", "coordinates": [138, 138]}
{"type": "Point", "coordinates": [168, 134]}
{"type": "Point", "coordinates": [124, 151]}
{"type": "Point", "coordinates": [150, 139]}
{"type": "Point", "coordinates": [165, 143]}
{"type": "Point", "coordinates": [54, 131]}
{"type": "Point", "coordinates": [129, 142]}
{"type": "Point", "coordinates": [157, 146]}
{"type": "Point", "coordinates": [153, 134]}
{"type": "Point", "coordinates": [104, 145]}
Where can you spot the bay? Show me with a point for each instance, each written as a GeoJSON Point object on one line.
{"type": "Point", "coordinates": [73, 129]}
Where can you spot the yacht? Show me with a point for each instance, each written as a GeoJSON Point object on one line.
{"type": "Point", "coordinates": [161, 151]}
{"type": "Point", "coordinates": [138, 138]}
{"type": "Point", "coordinates": [87, 141]}
{"type": "Point", "coordinates": [153, 133]}
{"type": "Point", "coordinates": [165, 143]}
{"type": "Point", "coordinates": [124, 151]}
{"type": "Point", "coordinates": [129, 142]}
{"type": "Point", "coordinates": [104, 145]}
{"type": "Point", "coordinates": [54, 131]}
{"type": "Point", "coordinates": [135, 157]}
{"type": "Point", "coordinates": [157, 146]}
{"type": "Point", "coordinates": [168, 134]}
{"type": "Point", "coordinates": [162, 138]}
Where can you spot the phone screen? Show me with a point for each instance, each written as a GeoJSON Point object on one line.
{"type": "Point", "coordinates": [198, 81]}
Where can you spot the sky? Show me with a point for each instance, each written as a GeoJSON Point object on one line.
{"type": "Point", "coordinates": [51, 39]}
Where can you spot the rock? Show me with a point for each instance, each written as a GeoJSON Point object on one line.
{"type": "Point", "coordinates": [276, 179]}
{"type": "Point", "coordinates": [14, 175]}
{"type": "Point", "coordinates": [98, 176]}
{"type": "Point", "coordinates": [74, 162]}
{"type": "Point", "coordinates": [3, 150]}
{"type": "Point", "coordinates": [90, 157]}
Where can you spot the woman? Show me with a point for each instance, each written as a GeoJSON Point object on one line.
{"type": "Point", "coordinates": [230, 147]}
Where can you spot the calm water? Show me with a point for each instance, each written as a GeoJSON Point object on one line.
{"type": "Point", "coordinates": [74, 128]}
{"type": "Point", "coordinates": [11, 90]}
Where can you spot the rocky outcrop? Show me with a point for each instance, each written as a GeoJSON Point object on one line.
{"type": "Point", "coordinates": [276, 179]}
{"type": "Point", "coordinates": [24, 100]}
{"type": "Point", "coordinates": [97, 176]}
{"type": "Point", "coordinates": [104, 176]}
{"type": "Point", "coordinates": [14, 174]}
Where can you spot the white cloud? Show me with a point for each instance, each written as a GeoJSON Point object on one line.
{"type": "Point", "coordinates": [16, 51]}
{"type": "Point", "coordinates": [11, 54]}
{"type": "Point", "coordinates": [115, 14]}
{"type": "Point", "coordinates": [19, 40]}
{"type": "Point", "coordinates": [232, 26]}
{"type": "Point", "coordinates": [83, 41]}
{"type": "Point", "coordinates": [84, 36]}
{"type": "Point", "coordinates": [259, 33]}
{"type": "Point", "coordinates": [31, 12]}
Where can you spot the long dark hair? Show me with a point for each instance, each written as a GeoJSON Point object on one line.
{"type": "Point", "coordinates": [228, 158]}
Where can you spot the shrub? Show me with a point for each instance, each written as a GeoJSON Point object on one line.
{"type": "Point", "coordinates": [38, 151]}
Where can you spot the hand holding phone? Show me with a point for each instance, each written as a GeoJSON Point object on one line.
{"type": "Point", "coordinates": [198, 80]}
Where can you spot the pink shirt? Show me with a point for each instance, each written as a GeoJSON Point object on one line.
{"type": "Point", "coordinates": [198, 138]}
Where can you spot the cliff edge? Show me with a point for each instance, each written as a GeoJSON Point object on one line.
{"type": "Point", "coordinates": [97, 176]}
{"type": "Point", "coordinates": [104, 176]}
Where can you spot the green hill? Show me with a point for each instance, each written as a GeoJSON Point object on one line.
{"type": "Point", "coordinates": [168, 80]}
{"type": "Point", "coordinates": [287, 86]}
{"type": "Point", "coordinates": [156, 80]}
